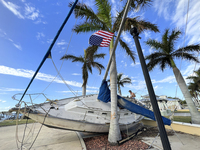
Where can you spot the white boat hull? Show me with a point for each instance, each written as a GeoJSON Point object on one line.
{"type": "Point", "coordinates": [84, 114]}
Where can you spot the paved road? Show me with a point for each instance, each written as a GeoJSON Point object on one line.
{"type": "Point", "coordinates": [48, 138]}
{"type": "Point", "coordinates": [181, 141]}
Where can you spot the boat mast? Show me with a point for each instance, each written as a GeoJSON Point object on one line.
{"type": "Point", "coordinates": [51, 46]}
{"type": "Point", "coordinates": [117, 38]}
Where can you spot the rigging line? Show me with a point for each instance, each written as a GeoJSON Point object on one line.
{"type": "Point", "coordinates": [50, 47]}
{"type": "Point", "coordinates": [67, 51]}
{"type": "Point", "coordinates": [62, 60]}
{"type": "Point", "coordinates": [183, 44]}
{"type": "Point", "coordinates": [40, 128]}
{"type": "Point", "coordinates": [63, 79]}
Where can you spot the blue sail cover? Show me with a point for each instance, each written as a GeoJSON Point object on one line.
{"type": "Point", "coordinates": [104, 95]}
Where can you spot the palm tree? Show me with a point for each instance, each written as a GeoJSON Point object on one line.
{"type": "Point", "coordinates": [88, 61]}
{"type": "Point", "coordinates": [103, 20]}
{"type": "Point", "coordinates": [121, 81]}
{"type": "Point", "coordinates": [194, 86]}
{"type": "Point", "coordinates": [164, 56]}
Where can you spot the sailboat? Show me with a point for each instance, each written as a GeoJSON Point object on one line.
{"type": "Point", "coordinates": [89, 113]}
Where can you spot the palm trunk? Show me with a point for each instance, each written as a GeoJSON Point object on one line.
{"type": "Point", "coordinates": [84, 90]}
{"type": "Point", "coordinates": [119, 90]}
{"type": "Point", "coordinates": [114, 131]}
{"type": "Point", "coordinates": [195, 115]}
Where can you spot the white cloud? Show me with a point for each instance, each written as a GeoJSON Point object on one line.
{"type": "Point", "coordinates": [135, 64]}
{"type": "Point", "coordinates": [39, 35]}
{"type": "Point", "coordinates": [10, 89]}
{"type": "Point", "coordinates": [13, 8]}
{"type": "Point", "coordinates": [40, 76]}
{"type": "Point", "coordinates": [176, 11]}
{"type": "Point", "coordinates": [139, 85]}
{"type": "Point", "coordinates": [60, 43]}
{"type": "Point", "coordinates": [17, 46]}
{"type": "Point", "coordinates": [76, 74]}
{"type": "Point", "coordinates": [163, 7]}
{"type": "Point", "coordinates": [190, 69]}
{"type": "Point", "coordinates": [2, 101]}
{"type": "Point", "coordinates": [169, 79]}
{"type": "Point", "coordinates": [25, 11]}
{"type": "Point", "coordinates": [127, 37]}
{"type": "Point", "coordinates": [49, 40]}
{"type": "Point", "coordinates": [2, 33]}
{"type": "Point", "coordinates": [147, 34]}
{"type": "Point", "coordinates": [31, 12]}
{"type": "Point", "coordinates": [89, 3]}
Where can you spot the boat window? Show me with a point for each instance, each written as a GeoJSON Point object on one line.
{"type": "Point", "coordinates": [90, 111]}
{"type": "Point", "coordinates": [126, 114]}
{"type": "Point", "coordinates": [104, 113]}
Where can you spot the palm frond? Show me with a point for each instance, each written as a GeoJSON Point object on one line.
{"type": "Point", "coordinates": [104, 11]}
{"type": "Point", "coordinates": [73, 58]}
{"type": "Point", "coordinates": [155, 44]}
{"type": "Point", "coordinates": [83, 11]}
{"type": "Point", "coordinates": [127, 49]}
{"type": "Point", "coordinates": [165, 38]}
{"type": "Point", "coordinates": [173, 38]}
{"type": "Point", "coordinates": [153, 61]}
{"type": "Point", "coordinates": [141, 25]}
{"type": "Point", "coordinates": [118, 20]}
{"type": "Point", "coordinates": [88, 27]}
{"type": "Point", "coordinates": [136, 4]}
{"type": "Point", "coordinates": [98, 66]}
{"type": "Point", "coordinates": [155, 55]}
{"type": "Point", "coordinates": [89, 67]}
{"type": "Point", "coordinates": [189, 48]}
{"type": "Point", "coordinates": [101, 55]}
{"type": "Point", "coordinates": [186, 56]}
{"type": "Point", "coordinates": [165, 62]}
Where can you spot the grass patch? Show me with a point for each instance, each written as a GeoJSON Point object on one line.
{"type": "Point", "coordinates": [13, 122]}
{"type": "Point", "coordinates": [187, 111]}
{"type": "Point", "coordinates": [186, 119]}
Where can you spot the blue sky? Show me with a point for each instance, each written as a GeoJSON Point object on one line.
{"type": "Point", "coordinates": [27, 29]}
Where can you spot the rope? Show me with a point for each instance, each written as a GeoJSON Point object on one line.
{"type": "Point", "coordinates": [63, 79]}
{"type": "Point", "coordinates": [40, 128]}
{"type": "Point", "coordinates": [154, 140]}
{"type": "Point", "coordinates": [177, 135]}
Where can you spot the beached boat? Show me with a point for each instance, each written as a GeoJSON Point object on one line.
{"type": "Point", "coordinates": [82, 113]}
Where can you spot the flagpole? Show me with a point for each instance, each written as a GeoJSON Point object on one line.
{"type": "Point", "coordinates": [161, 127]}
{"type": "Point", "coordinates": [117, 38]}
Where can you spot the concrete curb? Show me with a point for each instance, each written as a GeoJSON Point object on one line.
{"type": "Point", "coordinates": [81, 141]}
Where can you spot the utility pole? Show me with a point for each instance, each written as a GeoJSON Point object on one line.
{"type": "Point", "coordinates": [161, 127]}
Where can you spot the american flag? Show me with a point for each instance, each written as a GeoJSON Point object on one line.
{"type": "Point", "coordinates": [101, 38]}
